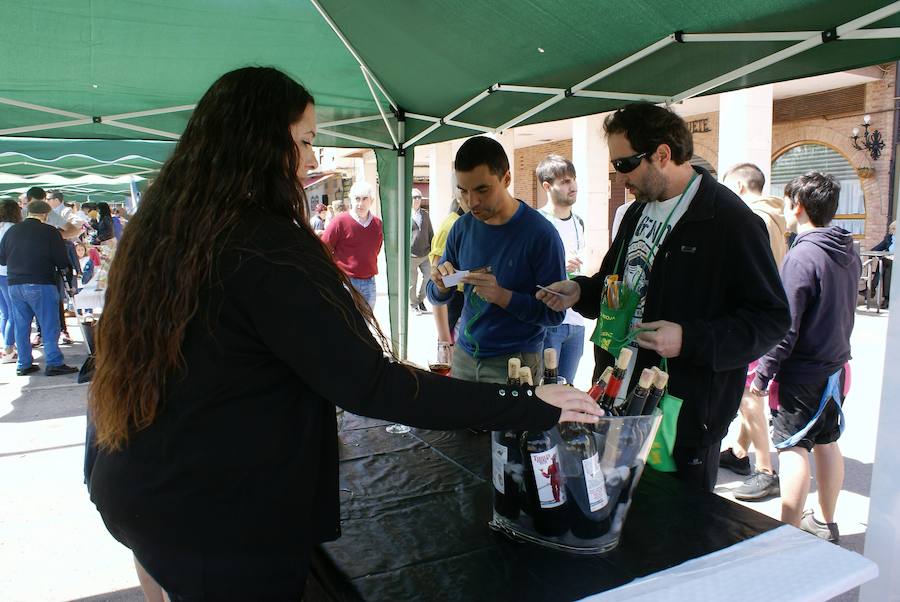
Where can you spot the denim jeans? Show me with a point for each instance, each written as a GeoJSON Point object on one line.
{"type": "Point", "coordinates": [366, 288]}
{"type": "Point", "coordinates": [7, 334]}
{"type": "Point", "coordinates": [39, 301]}
{"type": "Point", "coordinates": [568, 340]}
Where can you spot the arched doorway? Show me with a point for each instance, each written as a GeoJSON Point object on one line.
{"type": "Point", "coordinates": [814, 156]}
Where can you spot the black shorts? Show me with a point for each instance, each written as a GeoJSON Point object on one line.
{"type": "Point", "coordinates": [799, 403]}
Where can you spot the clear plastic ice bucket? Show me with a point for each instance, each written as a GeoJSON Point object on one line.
{"type": "Point", "coordinates": [570, 489]}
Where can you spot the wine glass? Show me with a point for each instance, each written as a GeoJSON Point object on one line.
{"type": "Point", "coordinates": [441, 365]}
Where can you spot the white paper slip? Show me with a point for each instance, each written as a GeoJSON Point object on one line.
{"type": "Point", "coordinates": [451, 280]}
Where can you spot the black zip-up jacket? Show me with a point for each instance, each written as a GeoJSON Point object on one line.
{"type": "Point", "coordinates": [715, 276]}
{"type": "Point", "coordinates": [243, 456]}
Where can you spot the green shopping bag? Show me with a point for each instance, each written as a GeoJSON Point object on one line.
{"type": "Point", "coordinates": [611, 331]}
{"type": "Point", "coordinates": [660, 456]}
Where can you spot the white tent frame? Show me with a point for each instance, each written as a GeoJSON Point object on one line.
{"type": "Point", "coordinates": [395, 123]}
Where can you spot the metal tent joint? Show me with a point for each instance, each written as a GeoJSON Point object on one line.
{"type": "Point", "coordinates": [97, 119]}
{"type": "Point", "coordinates": [830, 35]}
{"type": "Point", "coordinates": [679, 36]}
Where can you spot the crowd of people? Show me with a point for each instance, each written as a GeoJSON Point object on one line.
{"type": "Point", "coordinates": [48, 251]}
{"type": "Point", "coordinates": [749, 298]}
{"type": "Point", "coordinates": [746, 297]}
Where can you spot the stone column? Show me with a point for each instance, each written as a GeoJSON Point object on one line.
{"type": "Point", "coordinates": [590, 154]}
{"type": "Point", "coordinates": [440, 176]}
{"type": "Point", "coordinates": [745, 130]}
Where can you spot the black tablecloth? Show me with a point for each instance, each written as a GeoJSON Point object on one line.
{"type": "Point", "coordinates": [414, 514]}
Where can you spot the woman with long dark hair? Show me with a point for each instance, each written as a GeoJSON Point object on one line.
{"type": "Point", "coordinates": [103, 224]}
{"type": "Point", "coordinates": [218, 462]}
{"type": "Point", "coordinates": [10, 214]}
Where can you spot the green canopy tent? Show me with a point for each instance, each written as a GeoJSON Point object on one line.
{"type": "Point", "coordinates": [391, 75]}
{"type": "Point", "coordinates": [97, 170]}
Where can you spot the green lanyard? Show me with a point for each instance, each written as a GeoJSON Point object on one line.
{"type": "Point", "coordinates": [659, 235]}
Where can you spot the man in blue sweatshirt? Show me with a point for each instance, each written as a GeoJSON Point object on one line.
{"type": "Point", "coordinates": [501, 317]}
{"type": "Point", "coordinates": [820, 275]}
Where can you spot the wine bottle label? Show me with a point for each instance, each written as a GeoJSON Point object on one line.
{"type": "Point", "coordinates": [548, 478]}
{"type": "Point", "coordinates": [595, 483]}
{"type": "Point", "coordinates": [499, 455]}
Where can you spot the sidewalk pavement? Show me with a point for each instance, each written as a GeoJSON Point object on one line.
{"type": "Point", "coordinates": [54, 547]}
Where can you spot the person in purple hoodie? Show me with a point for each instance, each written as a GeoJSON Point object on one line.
{"type": "Point", "coordinates": [820, 274]}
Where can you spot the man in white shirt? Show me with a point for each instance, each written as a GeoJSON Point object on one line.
{"type": "Point", "coordinates": [61, 218]}
{"type": "Point", "coordinates": [556, 176]}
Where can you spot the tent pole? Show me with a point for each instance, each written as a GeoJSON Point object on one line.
{"type": "Point", "coordinates": [142, 129]}
{"type": "Point", "coordinates": [462, 108]}
{"type": "Point", "coordinates": [355, 138]}
{"type": "Point", "coordinates": [352, 120]}
{"type": "Point", "coordinates": [812, 42]}
{"type": "Point", "coordinates": [402, 229]}
{"type": "Point", "coordinates": [666, 41]}
{"type": "Point", "coordinates": [352, 50]}
{"type": "Point", "coordinates": [46, 126]}
{"type": "Point", "coordinates": [42, 109]}
{"type": "Point", "coordinates": [384, 118]}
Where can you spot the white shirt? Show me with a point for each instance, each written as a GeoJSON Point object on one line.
{"type": "Point", "coordinates": [364, 223]}
{"type": "Point", "coordinates": [639, 261]}
{"type": "Point", "coordinates": [571, 232]}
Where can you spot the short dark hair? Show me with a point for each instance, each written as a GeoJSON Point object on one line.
{"type": "Point", "coordinates": [36, 193]}
{"type": "Point", "coordinates": [482, 150]}
{"type": "Point", "coordinates": [647, 126]}
{"type": "Point", "coordinates": [56, 194]}
{"type": "Point", "coordinates": [750, 174]}
{"type": "Point", "coordinates": [10, 211]}
{"type": "Point", "coordinates": [789, 189]}
{"type": "Point", "coordinates": [818, 193]}
{"type": "Point", "coordinates": [552, 167]}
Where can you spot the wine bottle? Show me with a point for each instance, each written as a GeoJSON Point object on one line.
{"type": "Point", "coordinates": [608, 401]}
{"type": "Point", "coordinates": [525, 376]}
{"type": "Point", "coordinates": [551, 367]}
{"type": "Point", "coordinates": [599, 387]}
{"type": "Point", "coordinates": [544, 484]}
{"type": "Point", "coordinates": [638, 396]}
{"type": "Point", "coordinates": [585, 484]}
{"type": "Point", "coordinates": [507, 460]}
{"type": "Point", "coordinates": [660, 382]}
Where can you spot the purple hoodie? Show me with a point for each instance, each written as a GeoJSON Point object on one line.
{"type": "Point", "coordinates": [820, 274]}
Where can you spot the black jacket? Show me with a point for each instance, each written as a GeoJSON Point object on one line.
{"type": "Point", "coordinates": [420, 242]}
{"type": "Point", "coordinates": [715, 276]}
{"type": "Point", "coordinates": [33, 252]}
{"type": "Point", "coordinates": [821, 276]}
{"type": "Point", "coordinates": [243, 458]}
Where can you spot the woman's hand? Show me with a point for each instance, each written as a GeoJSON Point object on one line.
{"type": "Point", "coordinates": [577, 406]}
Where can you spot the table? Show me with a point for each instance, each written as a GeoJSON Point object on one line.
{"type": "Point", "coordinates": [414, 513]}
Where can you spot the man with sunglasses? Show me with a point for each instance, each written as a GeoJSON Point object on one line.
{"type": "Point", "coordinates": [710, 299]}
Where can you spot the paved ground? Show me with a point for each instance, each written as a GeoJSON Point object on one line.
{"type": "Point", "coordinates": [53, 546]}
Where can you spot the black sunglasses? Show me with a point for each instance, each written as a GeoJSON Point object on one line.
{"type": "Point", "coordinates": [628, 164]}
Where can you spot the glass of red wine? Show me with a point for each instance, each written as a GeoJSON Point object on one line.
{"type": "Point", "coordinates": [441, 364]}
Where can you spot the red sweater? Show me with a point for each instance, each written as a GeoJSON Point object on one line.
{"type": "Point", "coordinates": [355, 248]}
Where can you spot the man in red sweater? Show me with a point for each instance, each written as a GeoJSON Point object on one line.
{"type": "Point", "coordinates": [355, 238]}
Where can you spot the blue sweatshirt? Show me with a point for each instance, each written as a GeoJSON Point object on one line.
{"type": "Point", "coordinates": [523, 252]}
{"type": "Point", "coordinates": [820, 275]}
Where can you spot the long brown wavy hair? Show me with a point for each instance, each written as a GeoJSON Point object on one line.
{"type": "Point", "coordinates": [235, 160]}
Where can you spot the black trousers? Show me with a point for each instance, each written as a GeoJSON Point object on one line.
{"type": "Point", "coordinates": [698, 466]}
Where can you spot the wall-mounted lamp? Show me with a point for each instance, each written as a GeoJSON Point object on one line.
{"type": "Point", "coordinates": [872, 141]}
